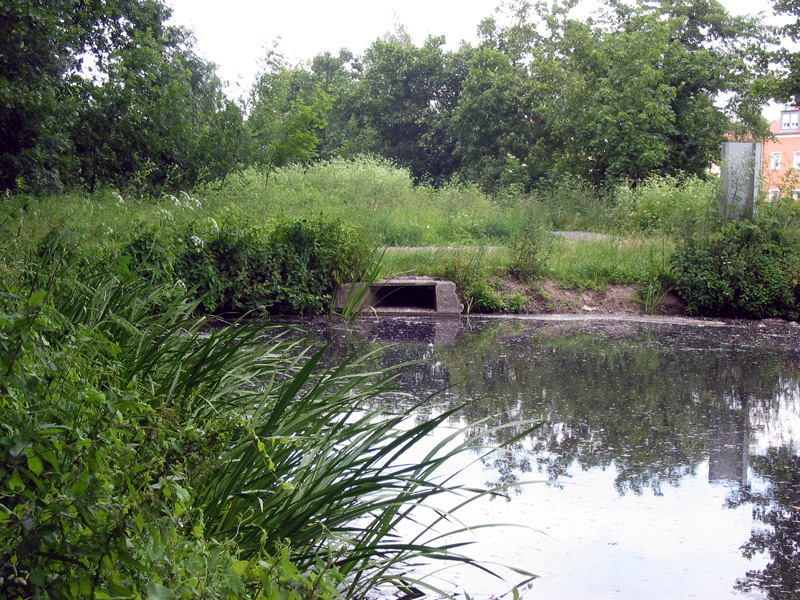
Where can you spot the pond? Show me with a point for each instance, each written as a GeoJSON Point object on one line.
{"type": "Point", "coordinates": [667, 464]}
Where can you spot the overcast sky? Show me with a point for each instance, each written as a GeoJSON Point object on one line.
{"type": "Point", "coordinates": [234, 33]}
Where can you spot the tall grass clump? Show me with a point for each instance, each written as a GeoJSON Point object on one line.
{"type": "Point", "coordinates": [371, 193]}
{"type": "Point", "coordinates": [472, 270]}
{"type": "Point", "coordinates": [358, 191]}
{"type": "Point", "coordinates": [662, 204]}
{"type": "Point", "coordinates": [598, 263]}
{"type": "Point", "coordinates": [105, 218]}
{"type": "Point", "coordinates": [530, 243]}
{"type": "Point", "coordinates": [572, 205]}
{"type": "Point", "coordinates": [147, 454]}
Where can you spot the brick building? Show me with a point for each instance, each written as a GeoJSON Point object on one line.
{"type": "Point", "coordinates": [781, 169]}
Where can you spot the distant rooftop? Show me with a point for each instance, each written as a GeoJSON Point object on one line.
{"type": "Point", "coordinates": [788, 123]}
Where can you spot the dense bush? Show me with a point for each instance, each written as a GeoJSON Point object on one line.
{"type": "Point", "coordinates": [742, 268]}
{"type": "Point", "coordinates": [228, 264]}
{"type": "Point", "coordinates": [237, 265]}
{"type": "Point", "coordinates": [309, 259]}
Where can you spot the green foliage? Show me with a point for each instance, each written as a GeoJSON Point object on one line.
{"type": "Point", "coordinates": [663, 204]}
{"type": "Point", "coordinates": [489, 120]}
{"type": "Point", "coordinates": [41, 49]}
{"type": "Point", "coordinates": [465, 267]}
{"type": "Point", "coordinates": [529, 250]}
{"type": "Point", "coordinates": [291, 267]}
{"type": "Point", "coordinates": [599, 262]}
{"type": "Point", "coordinates": [282, 127]}
{"type": "Point", "coordinates": [311, 258]}
{"type": "Point", "coordinates": [405, 96]}
{"type": "Point", "coordinates": [785, 87]}
{"type": "Point", "coordinates": [142, 113]}
{"type": "Point", "coordinates": [375, 195]}
{"type": "Point", "coordinates": [570, 204]}
{"type": "Point", "coordinates": [115, 95]}
{"type": "Point", "coordinates": [146, 455]}
{"type": "Point", "coordinates": [654, 289]}
{"type": "Point", "coordinates": [96, 496]}
{"type": "Point", "coordinates": [468, 269]}
{"type": "Point", "coordinates": [228, 264]}
{"type": "Point", "coordinates": [742, 268]}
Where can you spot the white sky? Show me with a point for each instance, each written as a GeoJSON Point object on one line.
{"type": "Point", "coordinates": [235, 33]}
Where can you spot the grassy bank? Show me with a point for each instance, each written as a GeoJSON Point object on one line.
{"type": "Point", "coordinates": [368, 203]}
{"type": "Point", "coordinates": [379, 201]}
{"type": "Point", "coordinates": [143, 456]}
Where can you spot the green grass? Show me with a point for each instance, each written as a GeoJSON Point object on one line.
{"type": "Point", "coordinates": [433, 261]}
{"type": "Point", "coordinates": [598, 263]}
{"type": "Point", "coordinates": [373, 194]}
{"type": "Point", "coordinates": [583, 264]}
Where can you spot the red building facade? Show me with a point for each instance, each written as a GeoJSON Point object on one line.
{"type": "Point", "coordinates": [781, 168]}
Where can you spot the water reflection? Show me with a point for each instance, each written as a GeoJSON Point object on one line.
{"type": "Point", "coordinates": [778, 507]}
{"type": "Point", "coordinates": [654, 404]}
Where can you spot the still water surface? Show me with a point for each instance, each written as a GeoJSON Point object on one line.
{"type": "Point", "coordinates": [667, 465]}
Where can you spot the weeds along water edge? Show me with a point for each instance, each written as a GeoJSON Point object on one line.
{"type": "Point", "coordinates": [147, 456]}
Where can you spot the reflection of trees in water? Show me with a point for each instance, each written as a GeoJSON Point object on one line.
{"type": "Point", "coordinates": [777, 507]}
{"type": "Point", "coordinates": [506, 466]}
{"type": "Point", "coordinates": [653, 402]}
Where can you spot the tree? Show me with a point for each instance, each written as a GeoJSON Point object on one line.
{"type": "Point", "coordinates": [712, 62]}
{"type": "Point", "coordinates": [408, 95]}
{"type": "Point", "coordinates": [43, 49]}
{"type": "Point", "coordinates": [141, 122]}
{"type": "Point", "coordinates": [491, 121]}
{"type": "Point", "coordinates": [635, 92]}
{"type": "Point", "coordinates": [283, 122]}
{"type": "Point", "coordinates": [786, 88]}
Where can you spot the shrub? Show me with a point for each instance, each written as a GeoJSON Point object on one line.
{"type": "Point", "coordinates": [741, 268]}
{"type": "Point", "coordinates": [228, 264]}
{"type": "Point", "coordinates": [529, 250]}
{"type": "Point", "coordinates": [289, 269]}
{"type": "Point", "coordinates": [310, 258]}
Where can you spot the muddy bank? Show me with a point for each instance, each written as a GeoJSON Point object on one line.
{"type": "Point", "coordinates": [547, 297]}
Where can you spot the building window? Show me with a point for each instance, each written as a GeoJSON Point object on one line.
{"type": "Point", "coordinates": [796, 160]}
{"type": "Point", "coordinates": [775, 161]}
{"type": "Point", "coordinates": [773, 194]}
{"type": "Point", "coordinates": [796, 195]}
{"type": "Point", "coordinates": [789, 120]}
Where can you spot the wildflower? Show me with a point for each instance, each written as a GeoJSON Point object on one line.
{"type": "Point", "coordinates": [195, 201]}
